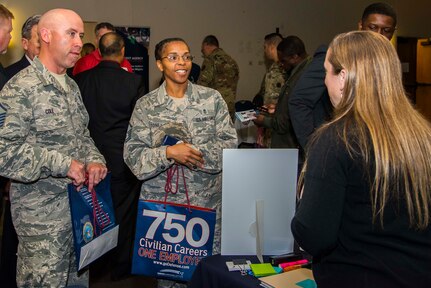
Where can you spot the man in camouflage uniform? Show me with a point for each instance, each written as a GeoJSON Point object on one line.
{"type": "Point", "coordinates": [44, 146]}
{"type": "Point", "coordinates": [30, 44]}
{"type": "Point", "coordinates": [219, 71]}
{"type": "Point", "coordinates": [274, 79]}
{"type": "Point", "coordinates": [194, 114]}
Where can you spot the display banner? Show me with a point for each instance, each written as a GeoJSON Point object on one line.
{"type": "Point", "coordinates": [137, 41]}
{"type": "Point", "coordinates": [171, 239]}
{"type": "Point", "coordinates": [93, 221]}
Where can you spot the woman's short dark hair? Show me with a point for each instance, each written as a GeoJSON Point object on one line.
{"type": "Point", "coordinates": [158, 51]}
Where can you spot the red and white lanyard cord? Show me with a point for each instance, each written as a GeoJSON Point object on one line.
{"type": "Point", "coordinates": [100, 217]}
{"type": "Point", "coordinates": [171, 173]}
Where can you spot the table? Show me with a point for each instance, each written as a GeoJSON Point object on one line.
{"type": "Point", "coordinates": [212, 272]}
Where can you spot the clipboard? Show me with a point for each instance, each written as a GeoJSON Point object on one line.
{"type": "Point", "coordinates": [301, 277]}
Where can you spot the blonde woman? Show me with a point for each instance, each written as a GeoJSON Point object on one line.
{"type": "Point", "coordinates": [364, 214]}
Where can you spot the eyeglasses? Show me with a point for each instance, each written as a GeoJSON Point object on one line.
{"type": "Point", "coordinates": [175, 58]}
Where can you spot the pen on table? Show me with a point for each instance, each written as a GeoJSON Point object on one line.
{"type": "Point", "coordinates": [298, 262]}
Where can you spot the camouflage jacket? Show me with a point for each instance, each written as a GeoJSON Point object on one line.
{"type": "Point", "coordinates": [220, 72]}
{"type": "Point", "coordinates": [273, 80]}
{"type": "Point", "coordinates": [204, 122]}
{"type": "Point", "coordinates": [44, 128]}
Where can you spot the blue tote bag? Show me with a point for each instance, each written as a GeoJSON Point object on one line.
{"type": "Point", "coordinates": [171, 238]}
{"type": "Point", "coordinates": [93, 221]}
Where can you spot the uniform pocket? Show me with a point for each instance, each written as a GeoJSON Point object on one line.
{"type": "Point", "coordinates": [203, 131]}
{"type": "Point", "coordinates": [50, 122]}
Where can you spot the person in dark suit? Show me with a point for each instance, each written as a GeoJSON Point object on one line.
{"type": "Point", "coordinates": [109, 93]}
{"type": "Point", "coordinates": [30, 44]}
{"type": "Point", "coordinates": [309, 104]}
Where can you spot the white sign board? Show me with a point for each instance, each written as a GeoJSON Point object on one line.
{"type": "Point", "coordinates": [253, 178]}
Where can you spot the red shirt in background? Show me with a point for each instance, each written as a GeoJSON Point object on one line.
{"type": "Point", "coordinates": [91, 60]}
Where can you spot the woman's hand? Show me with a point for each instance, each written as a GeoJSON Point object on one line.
{"type": "Point", "coordinates": [185, 154]}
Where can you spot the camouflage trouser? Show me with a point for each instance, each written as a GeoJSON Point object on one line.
{"type": "Point", "coordinates": [161, 283]}
{"type": "Point", "coordinates": [48, 261]}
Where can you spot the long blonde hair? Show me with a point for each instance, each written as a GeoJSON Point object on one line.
{"type": "Point", "coordinates": [388, 130]}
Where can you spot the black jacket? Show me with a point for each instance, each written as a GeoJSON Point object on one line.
{"type": "Point", "coordinates": [309, 104]}
{"type": "Point", "coordinates": [109, 93]}
{"type": "Point", "coordinates": [14, 68]}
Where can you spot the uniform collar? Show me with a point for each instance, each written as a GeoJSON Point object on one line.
{"type": "Point", "coordinates": [45, 76]}
{"type": "Point", "coordinates": [163, 98]}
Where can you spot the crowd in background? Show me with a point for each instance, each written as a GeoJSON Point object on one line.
{"type": "Point", "coordinates": [70, 112]}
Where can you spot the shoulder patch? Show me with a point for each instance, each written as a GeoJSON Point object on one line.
{"type": "Point", "coordinates": [3, 111]}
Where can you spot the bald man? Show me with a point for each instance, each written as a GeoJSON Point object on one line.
{"type": "Point", "coordinates": [44, 146]}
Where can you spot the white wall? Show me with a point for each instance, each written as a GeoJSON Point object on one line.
{"type": "Point", "coordinates": [240, 25]}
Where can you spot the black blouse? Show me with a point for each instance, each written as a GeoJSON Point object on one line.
{"type": "Point", "coordinates": [334, 224]}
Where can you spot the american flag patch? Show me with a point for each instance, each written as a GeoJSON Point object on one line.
{"type": "Point", "coordinates": [2, 115]}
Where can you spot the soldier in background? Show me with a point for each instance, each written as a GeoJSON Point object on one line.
{"type": "Point", "coordinates": [44, 146]}
{"type": "Point", "coordinates": [275, 76]}
{"type": "Point", "coordinates": [274, 79]}
{"type": "Point", "coordinates": [219, 71]}
{"type": "Point", "coordinates": [196, 115]}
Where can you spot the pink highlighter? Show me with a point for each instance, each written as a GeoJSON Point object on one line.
{"type": "Point", "coordinates": [287, 264]}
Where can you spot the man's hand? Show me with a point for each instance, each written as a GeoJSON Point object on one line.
{"type": "Point", "coordinates": [185, 154]}
{"type": "Point", "coordinates": [260, 117]}
{"type": "Point", "coordinates": [259, 120]}
{"type": "Point", "coordinates": [76, 173]}
{"type": "Point", "coordinates": [96, 172]}
{"type": "Point", "coordinates": [271, 108]}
